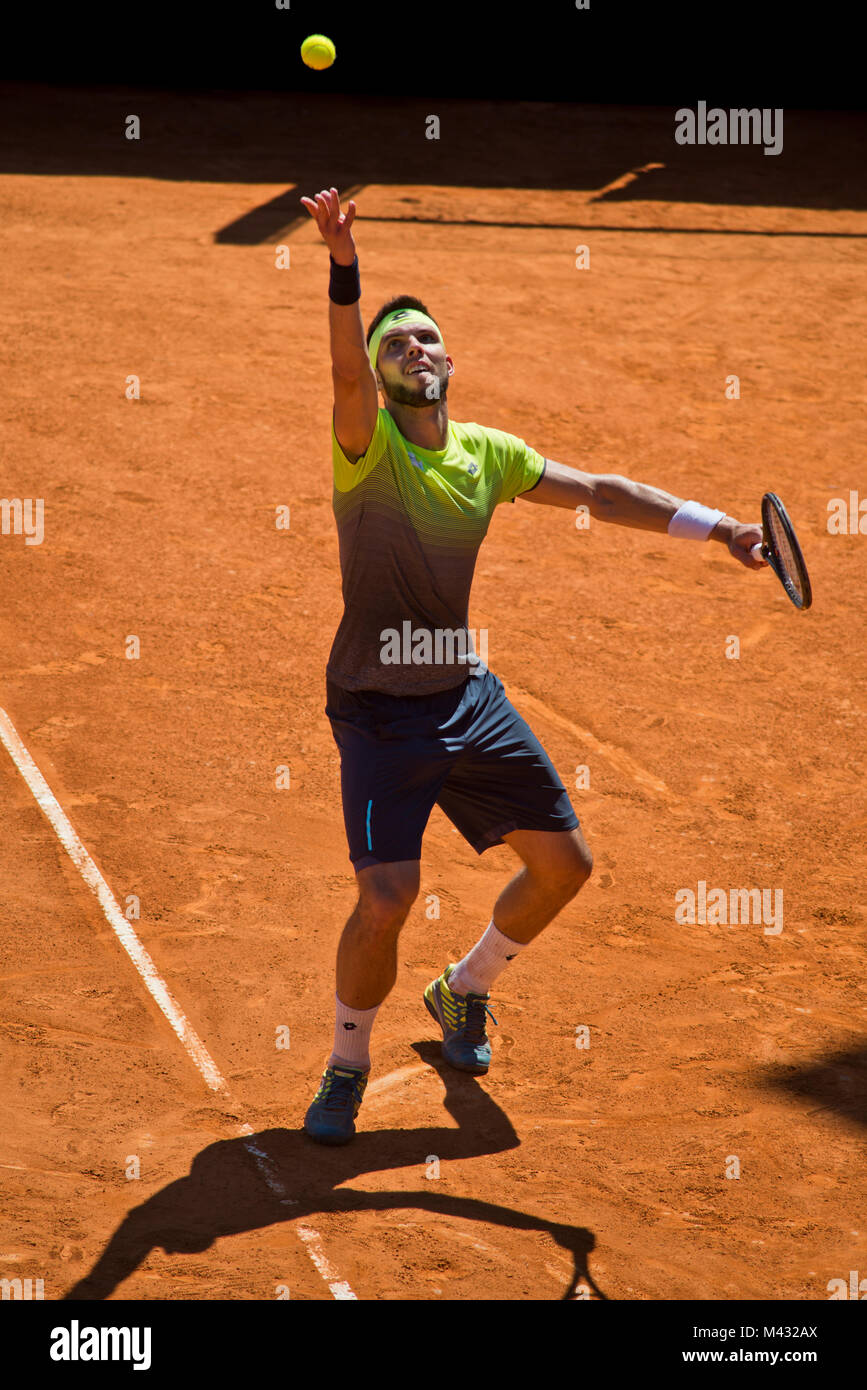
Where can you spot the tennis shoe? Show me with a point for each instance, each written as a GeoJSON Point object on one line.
{"type": "Point", "coordinates": [331, 1116]}
{"type": "Point", "coordinates": [462, 1019]}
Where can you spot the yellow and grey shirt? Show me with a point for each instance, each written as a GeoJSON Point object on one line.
{"type": "Point", "coordinates": [410, 522]}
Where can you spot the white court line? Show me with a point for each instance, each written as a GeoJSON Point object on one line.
{"type": "Point", "coordinates": [617, 757]}
{"type": "Point", "coordinates": [312, 1240]}
{"type": "Point", "coordinates": [394, 1078]}
{"type": "Point", "coordinates": [195, 1048]}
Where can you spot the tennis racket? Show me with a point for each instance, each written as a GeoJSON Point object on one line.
{"type": "Point", "coordinates": [781, 550]}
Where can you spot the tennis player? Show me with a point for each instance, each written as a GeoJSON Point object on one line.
{"type": "Point", "coordinates": [417, 716]}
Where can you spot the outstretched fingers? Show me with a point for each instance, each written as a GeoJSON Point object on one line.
{"type": "Point", "coordinates": [325, 208]}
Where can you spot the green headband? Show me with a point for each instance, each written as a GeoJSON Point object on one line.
{"type": "Point", "coordinates": [412, 317]}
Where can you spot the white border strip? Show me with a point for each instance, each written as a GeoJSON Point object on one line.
{"type": "Point", "coordinates": [338, 1286]}
{"type": "Point", "coordinates": [195, 1048]}
{"type": "Point", "coordinates": [49, 804]}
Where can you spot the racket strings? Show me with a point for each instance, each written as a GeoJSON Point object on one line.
{"type": "Point", "coordinates": [787, 558]}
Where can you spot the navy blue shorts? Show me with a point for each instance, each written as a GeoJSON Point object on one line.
{"type": "Point", "coordinates": [466, 750]}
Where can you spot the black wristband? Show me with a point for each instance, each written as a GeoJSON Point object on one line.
{"type": "Point", "coordinates": [345, 284]}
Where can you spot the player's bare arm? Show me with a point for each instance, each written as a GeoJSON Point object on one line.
{"type": "Point", "coordinates": [610, 497]}
{"type": "Point", "coordinates": [356, 399]}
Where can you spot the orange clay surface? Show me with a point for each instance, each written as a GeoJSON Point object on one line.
{"type": "Point", "coordinates": [598, 1170]}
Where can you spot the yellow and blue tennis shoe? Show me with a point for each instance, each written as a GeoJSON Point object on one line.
{"type": "Point", "coordinates": [331, 1116]}
{"type": "Point", "coordinates": [462, 1019]}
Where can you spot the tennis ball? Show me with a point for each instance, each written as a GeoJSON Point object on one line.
{"type": "Point", "coordinates": [318, 52]}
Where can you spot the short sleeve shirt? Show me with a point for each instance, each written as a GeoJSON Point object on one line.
{"type": "Point", "coordinates": [410, 522]}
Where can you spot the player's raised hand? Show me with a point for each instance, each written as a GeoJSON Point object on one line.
{"type": "Point", "coordinates": [333, 224]}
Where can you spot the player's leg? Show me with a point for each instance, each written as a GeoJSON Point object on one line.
{"type": "Point", "coordinates": [366, 972]}
{"type": "Point", "coordinates": [505, 789]}
{"type": "Point", "coordinates": [367, 952]}
{"type": "Point", "coordinates": [392, 765]}
{"type": "Point", "coordinates": [367, 957]}
{"type": "Point", "coordinates": [557, 864]}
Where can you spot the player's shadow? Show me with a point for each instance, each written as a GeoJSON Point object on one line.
{"type": "Point", "coordinates": [226, 1193]}
{"type": "Point", "coordinates": [837, 1083]}
{"type": "Point", "coordinates": [298, 145]}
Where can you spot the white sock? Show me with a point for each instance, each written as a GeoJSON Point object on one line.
{"type": "Point", "coordinates": [480, 967]}
{"type": "Point", "coordinates": [352, 1036]}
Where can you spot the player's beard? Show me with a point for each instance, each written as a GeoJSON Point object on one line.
{"type": "Point", "coordinates": [402, 393]}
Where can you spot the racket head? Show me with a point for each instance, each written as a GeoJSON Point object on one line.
{"type": "Point", "coordinates": [783, 553]}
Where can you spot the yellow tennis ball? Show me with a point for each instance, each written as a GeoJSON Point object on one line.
{"type": "Point", "coordinates": [318, 52]}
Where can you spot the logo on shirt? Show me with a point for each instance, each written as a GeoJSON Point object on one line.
{"type": "Point", "coordinates": [472, 468]}
{"type": "Point", "coordinates": [414, 460]}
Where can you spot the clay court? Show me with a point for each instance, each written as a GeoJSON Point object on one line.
{"type": "Point", "coordinates": [568, 1171]}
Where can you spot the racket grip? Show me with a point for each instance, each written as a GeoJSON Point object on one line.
{"type": "Point", "coordinates": [756, 551]}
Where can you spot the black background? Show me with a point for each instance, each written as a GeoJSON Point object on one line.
{"type": "Point", "coordinates": [622, 51]}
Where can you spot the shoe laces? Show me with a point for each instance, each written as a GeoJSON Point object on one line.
{"type": "Point", "coordinates": [476, 1008]}
{"type": "Point", "coordinates": [340, 1092]}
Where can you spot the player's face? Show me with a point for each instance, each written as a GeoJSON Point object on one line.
{"type": "Point", "coordinates": [413, 367]}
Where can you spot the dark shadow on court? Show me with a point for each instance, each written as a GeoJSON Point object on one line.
{"type": "Point", "coordinates": [225, 1192]}
{"type": "Point", "coordinates": [300, 142]}
{"type": "Point", "coordinates": [837, 1085]}
{"type": "Point", "coordinates": [612, 227]}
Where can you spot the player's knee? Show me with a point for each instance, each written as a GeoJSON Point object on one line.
{"type": "Point", "coordinates": [585, 869]}
{"type": "Point", "coordinates": [386, 893]}
{"type": "Point", "coordinates": [386, 907]}
{"type": "Point", "coordinates": [576, 864]}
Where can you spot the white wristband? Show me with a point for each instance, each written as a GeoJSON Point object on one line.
{"type": "Point", "coordinates": [693, 522]}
